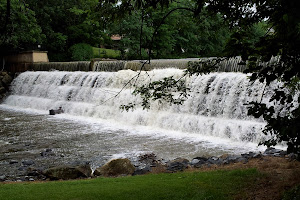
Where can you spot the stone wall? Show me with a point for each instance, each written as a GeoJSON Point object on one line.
{"type": "Point", "coordinates": [28, 57]}
{"type": "Point", "coordinates": [22, 61]}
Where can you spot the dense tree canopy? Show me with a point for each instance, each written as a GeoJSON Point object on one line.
{"type": "Point", "coordinates": [181, 34]}
{"type": "Point", "coordinates": [18, 27]}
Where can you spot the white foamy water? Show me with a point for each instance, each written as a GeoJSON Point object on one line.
{"type": "Point", "coordinates": [215, 115]}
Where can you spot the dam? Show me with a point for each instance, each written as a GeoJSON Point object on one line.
{"type": "Point", "coordinates": [211, 122]}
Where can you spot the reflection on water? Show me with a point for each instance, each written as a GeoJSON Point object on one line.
{"type": "Point", "coordinates": [23, 135]}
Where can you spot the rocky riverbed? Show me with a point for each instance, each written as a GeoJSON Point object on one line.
{"type": "Point", "coordinates": [31, 168]}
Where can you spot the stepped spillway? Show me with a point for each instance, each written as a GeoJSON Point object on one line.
{"type": "Point", "coordinates": [216, 106]}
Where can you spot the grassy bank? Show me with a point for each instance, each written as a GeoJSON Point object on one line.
{"type": "Point", "coordinates": [185, 185]}
{"type": "Point", "coordinates": [105, 53]}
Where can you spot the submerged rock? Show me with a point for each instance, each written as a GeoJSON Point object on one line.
{"type": "Point", "coordinates": [116, 167]}
{"type": "Point", "coordinates": [13, 162]}
{"type": "Point", "coordinates": [47, 152]}
{"type": "Point", "coordinates": [27, 162]}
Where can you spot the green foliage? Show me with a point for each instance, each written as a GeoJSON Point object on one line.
{"type": "Point", "coordinates": [19, 29]}
{"type": "Point", "coordinates": [186, 185]}
{"type": "Point", "coordinates": [66, 23]}
{"type": "Point", "coordinates": [168, 90]}
{"type": "Point", "coordinates": [81, 52]}
{"type": "Point", "coordinates": [178, 35]}
{"type": "Point", "coordinates": [202, 67]}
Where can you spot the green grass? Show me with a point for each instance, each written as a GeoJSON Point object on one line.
{"type": "Point", "coordinates": [186, 185]}
{"type": "Point", "coordinates": [105, 53]}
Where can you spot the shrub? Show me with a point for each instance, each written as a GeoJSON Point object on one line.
{"type": "Point", "coordinates": [81, 52]}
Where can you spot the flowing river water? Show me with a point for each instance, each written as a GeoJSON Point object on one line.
{"type": "Point", "coordinates": [212, 122]}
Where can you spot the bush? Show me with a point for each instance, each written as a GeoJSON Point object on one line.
{"type": "Point", "coordinates": [81, 52]}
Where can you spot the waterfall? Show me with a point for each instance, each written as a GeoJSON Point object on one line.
{"type": "Point", "coordinates": [110, 66]}
{"type": "Point", "coordinates": [216, 106]}
{"type": "Point", "coordinates": [62, 66]}
{"type": "Point", "coordinates": [228, 65]}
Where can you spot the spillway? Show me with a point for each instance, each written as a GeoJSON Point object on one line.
{"type": "Point", "coordinates": [216, 106]}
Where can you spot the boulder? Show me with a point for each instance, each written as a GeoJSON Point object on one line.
{"type": "Point", "coordinates": [116, 167]}
{"type": "Point", "coordinates": [66, 172]}
{"type": "Point", "coordinates": [272, 151]}
{"type": "Point", "coordinates": [215, 161]}
{"type": "Point", "coordinates": [2, 178]}
{"type": "Point", "coordinates": [199, 162]}
{"type": "Point", "coordinates": [179, 164]}
{"type": "Point", "coordinates": [141, 171]}
{"type": "Point", "coordinates": [231, 159]}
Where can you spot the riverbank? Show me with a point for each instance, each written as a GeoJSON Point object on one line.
{"type": "Point", "coordinates": [267, 177]}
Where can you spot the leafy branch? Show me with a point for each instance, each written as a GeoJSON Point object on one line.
{"type": "Point", "coordinates": [167, 90]}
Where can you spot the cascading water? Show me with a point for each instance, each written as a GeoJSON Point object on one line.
{"type": "Point", "coordinates": [216, 106]}
{"type": "Point", "coordinates": [62, 66]}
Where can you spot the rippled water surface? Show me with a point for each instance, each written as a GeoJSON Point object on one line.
{"type": "Point", "coordinates": [26, 133]}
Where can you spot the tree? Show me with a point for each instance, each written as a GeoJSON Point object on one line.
{"type": "Point", "coordinates": [180, 35]}
{"type": "Point", "coordinates": [68, 22]}
{"type": "Point", "coordinates": [18, 27]}
{"type": "Point", "coordinates": [282, 39]}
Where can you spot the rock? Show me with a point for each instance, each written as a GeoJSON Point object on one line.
{"type": "Point", "coordinates": [231, 159]}
{"type": "Point", "coordinates": [248, 155]}
{"type": "Point", "coordinates": [224, 156]}
{"type": "Point", "coordinates": [34, 172]}
{"type": "Point", "coordinates": [141, 171]}
{"type": "Point", "coordinates": [292, 156]}
{"type": "Point", "coordinates": [13, 162]}
{"type": "Point", "coordinates": [149, 158]}
{"type": "Point", "coordinates": [47, 152]}
{"type": "Point", "coordinates": [159, 168]}
{"type": "Point", "coordinates": [66, 172]}
{"type": "Point", "coordinates": [242, 159]}
{"type": "Point", "coordinates": [283, 153]}
{"type": "Point", "coordinates": [22, 168]}
{"type": "Point", "coordinates": [27, 162]}
{"type": "Point", "coordinates": [271, 150]}
{"type": "Point", "coordinates": [215, 161]}
{"type": "Point", "coordinates": [7, 79]}
{"type": "Point", "coordinates": [3, 178]}
{"type": "Point", "coordinates": [116, 167]}
{"type": "Point", "coordinates": [179, 164]}
{"type": "Point", "coordinates": [198, 162]}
